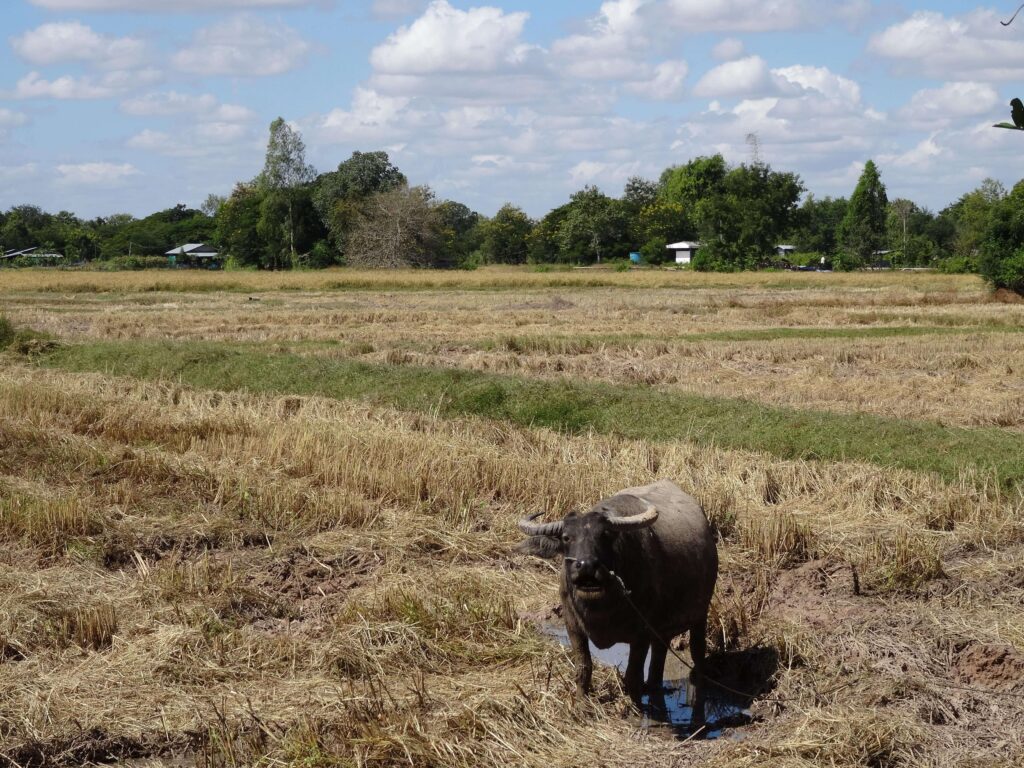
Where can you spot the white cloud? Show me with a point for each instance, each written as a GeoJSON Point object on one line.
{"type": "Point", "coordinates": [664, 84]}
{"type": "Point", "coordinates": [204, 107]}
{"type": "Point", "coordinates": [445, 39]}
{"type": "Point", "coordinates": [608, 49]}
{"type": "Point", "coordinates": [728, 49]}
{"type": "Point", "coordinates": [735, 78]}
{"type": "Point", "coordinates": [737, 16]}
{"type": "Point", "coordinates": [96, 174]}
{"type": "Point", "coordinates": [160, 6]}
{"type": "Point", "coordinates": [390, 9]}
{"type": "Point", "coordinates": [243, 46]}
{"type": "Point", "coordinates": [602, 174]}
{"type": "Point", "coordinates": [72, 41]}
{"type": "Point", "coordinates": [203, 140]}
{"type": "Point", "coordinates": [371, 116]}
{"type": "Point", "coordinates": [17, 172]}
{"type": "Point", "coordinates": [969, 47]}
{"type": "Point", "coordinates": [10, 119]}
{"type": "Point", "coordinates": [35, 86]}
{"type": "Point", "coordinates": [919, 157]}
{"type": "Point", "coordinates": [819, 79]}
{"type": "Point", "coordinates": [951, 101]}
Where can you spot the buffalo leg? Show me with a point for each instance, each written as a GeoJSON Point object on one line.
{"type": "Point", "coordinates": [656, 680]}
{"type": "Point", "coordinates": [698, 650]}
{"type": "Point", "coordinates": [581, 654]}
{"type": "Point", "coordinates": [656, 674]}
{"type": "Point", "coordinates": [634, 677]}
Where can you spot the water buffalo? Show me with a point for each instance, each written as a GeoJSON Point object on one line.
{"type": "Point", "coordinates": [655, 543]}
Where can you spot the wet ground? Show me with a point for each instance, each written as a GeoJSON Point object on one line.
{"type": "Point", "coordinates": [722, 710]}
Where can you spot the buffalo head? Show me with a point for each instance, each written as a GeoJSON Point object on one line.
{"type": "Point", "coordinates": [586, 542]}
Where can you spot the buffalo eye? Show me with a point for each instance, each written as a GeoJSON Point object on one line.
{"type": "Point", "coordinates": [565, 538]}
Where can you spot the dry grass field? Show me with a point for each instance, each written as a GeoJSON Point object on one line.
{"type": "Point", "coordinates": [214, 571]}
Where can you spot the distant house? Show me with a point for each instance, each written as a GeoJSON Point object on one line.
{"type": "Point", "coordinates": [44, 257]}
{"type": "Point", "coordinates": [785, 250]}
{"type": "Point", "coordinates": [880, 260]}
{"type": "Point", "coordinates": [195, 255]}
{"type": "Point", "coordinates": [683, 250]}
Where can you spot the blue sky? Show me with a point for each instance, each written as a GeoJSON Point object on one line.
{"type": "Point", "coordinates": [135, 105]}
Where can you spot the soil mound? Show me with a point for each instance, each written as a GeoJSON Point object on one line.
{"type": "Point", "coordinates": [993, 667]}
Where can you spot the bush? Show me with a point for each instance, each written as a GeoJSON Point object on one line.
{"type": "Point", "coordinates": [6, 332]}
{"type": "Point", "coordinates": [23, 341]}
{"type": "Point", "coordinates": [472, 261]}
{"type": "Point", "coordinates": [958, 265]}
{"type": "Point", "coordinates": [1006, 271]}
{"type": "Point", "coordinates": [133, 263]}
{"type": "Point", "coordinates": [654, 251]}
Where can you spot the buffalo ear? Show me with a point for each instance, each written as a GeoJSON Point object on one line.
{"type": "Point", "coordinates": [544, 547]}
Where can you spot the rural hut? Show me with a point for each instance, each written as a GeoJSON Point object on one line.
{"type": "Point", "coordinates": [195, 255]}
{"type": "Point", "coordinates": [683, 251]}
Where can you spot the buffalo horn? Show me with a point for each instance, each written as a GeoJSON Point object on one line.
{"type": "Point", "coordinates": [530, 528]}
{"type": "Point", "coordinates": [641, 520]}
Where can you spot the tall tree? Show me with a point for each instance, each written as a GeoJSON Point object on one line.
{"type": "Point", "coordinates": [971, 214]}
{"type": "Point", "coordinates": [505, 237]}
{"type": "Point", "coordinates": [285, 172]}
{"type": "Point", "coordinates": [900, 211]}
{"type": "Point", "coordinates": [237, 224]}
{"type": "Point", "coordinates": [741, 223]}
{"type": "Point", "coordinates": [816, 225]}
{"type": "Point", "coordinates": [689, 184]}
{"type": "Point", "coordinates": [1002, 255]}
{"type": "Point", "coordinates": [863, 230]}
{"type": "Point", "coordinates": [460, 234]}
{"type": "Point", "coordinates": [339, 194]}
{"type": "Point", "coordinates": [396, 228]}
{"type": "Point", "coordinates": [595, 227]}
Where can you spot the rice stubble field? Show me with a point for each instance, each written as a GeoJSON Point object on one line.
{"type": "Point", "coordinates": [270, 519]}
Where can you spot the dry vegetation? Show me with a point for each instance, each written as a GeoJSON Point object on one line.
{"type": "Point", "coordinates": [907, 345]}
{"type": "Point", "coordinates": [227, 578]}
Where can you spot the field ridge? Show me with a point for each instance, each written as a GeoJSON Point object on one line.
{"type": "Point", "coordinates": [634, 411]}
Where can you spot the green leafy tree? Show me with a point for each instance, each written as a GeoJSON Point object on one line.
{"type": "Point", "coordinates": [971, 215]}
{"type": "Point", "coordinates": [339, 194]}
{"type": "Point", "coordinates": [506, 236]}
{"type": "Point", "coordinates": [285, 173]}
{"type": "Point", "coordinates": [460, 234]}
{"type": "Point", "coordinates": [543, 244]}
{"type": "Point", "coordinates": [690, 184]}
{"type": "Point", "coordinates": [816, 225]}
{"type": "Point", "coordinates": [211, 205]}
{"type": "Point", "coordinates": [863, 230]}
{"type": "Point", "coordinates": [238, 223]}
{"type": "Point", "coordinates": [741, 223]}
{"type": "Point", "coordinates": [1002, 254]}
{"type": "Point", "coordinates": [595, 227]}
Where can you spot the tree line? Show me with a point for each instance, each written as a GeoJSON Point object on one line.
{"type": "Point", "coordinates": [365, 213]}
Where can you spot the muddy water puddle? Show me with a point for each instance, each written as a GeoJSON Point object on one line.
{"type": "Point", "coordinates": [721, 709]}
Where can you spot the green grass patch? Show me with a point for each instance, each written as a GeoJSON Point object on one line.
{"type": "Point", "coordinates": [573, 406]}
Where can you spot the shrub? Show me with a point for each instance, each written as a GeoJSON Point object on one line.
{"type": "Point", "coordinates": [956, 265]}
{"type": "Point", "coordinates": [6, 332]}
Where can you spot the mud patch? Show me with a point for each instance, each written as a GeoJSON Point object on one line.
{"type": "Point", "coordinates": [991, 667]}
{"type": "Point", "coordinates": [722, 709]}
{"type": "Point", "coordinates": [816, 594]}
{"type": "Point", "coordinates": [311, 588]}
